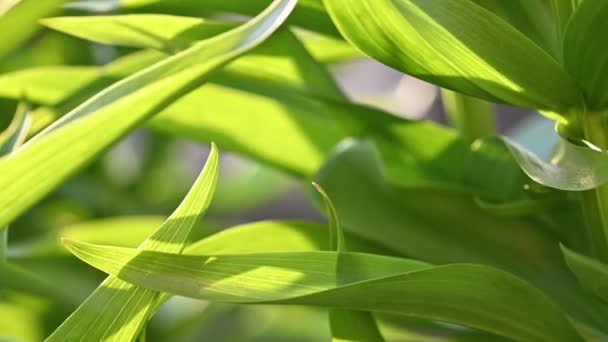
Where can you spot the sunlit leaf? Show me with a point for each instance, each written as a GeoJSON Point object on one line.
{"type": "Point", "coordinates": [308, 14]}
{"type": "Point", "coordinates": [66, 146]}
{"type": "Point", "coordinates": [470, 295]}
{"type": "Point", "coordinates": [457, 45]}
{"type": "Point", "coordinates": [21, 22]}
{"type": "Point", "coordinates": [102, 316]}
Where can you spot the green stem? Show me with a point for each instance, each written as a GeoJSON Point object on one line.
{"type": "Point", "coordinates": [595, 202]}
{"type": "Point", "coordinates": [3, 244]}
{"type": "Point", "coordinates": [474, 118]}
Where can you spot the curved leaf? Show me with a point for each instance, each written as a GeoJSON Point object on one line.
{"type": "Point", "coordinates": [470, 295]}
{"type": "Point", "coordinates": [21, 22]}
{"type": "Point", "coordinates": [570, 167]}
{"type": "Point", "coordinates": [67, 145]}
{"type": "Point", "coordinates": [443, 225]}
{"type": "Point", "coordinates": [102, 316]}
{"type": "Point", "coordinates": [457, 45]}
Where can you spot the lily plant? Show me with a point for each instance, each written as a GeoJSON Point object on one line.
{"type": "Point", "coordinates": [433, 233]}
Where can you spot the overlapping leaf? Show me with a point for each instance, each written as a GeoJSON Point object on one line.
{"type": "Point", "coordinates": [21, 22]}
{"type": "Point", "coordinates": [67, 145]}
{"type": "Point", "coordinates": [470, 295]}
{"type": "Point", "coordinates": [308, 14]}
{"type": "Point", "coordinates": [458, 45]}
{"type": "Point", "coordinates": [117, 310]}
{"type": "Point", "coordinates": [446, 226]}
{"type": "Point", "coordinates": [346, 325]}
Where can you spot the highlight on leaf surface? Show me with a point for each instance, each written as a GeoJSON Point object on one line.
{"type": "Point", "coordinates": [458, 45]}
{"type": "Point", "coordinates": [377, 283]}
{"type": "Point", "coordinates": [143, 94]}
{"type": "Point", "coordinates": [102, 316]}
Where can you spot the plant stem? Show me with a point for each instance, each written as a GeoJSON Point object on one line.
{"type": "Point", "coordinates": [474, 118]}
{"type": "Point", "coordinates": [3, 244]}
{"type": "Point", "coordinates": [595, 202]}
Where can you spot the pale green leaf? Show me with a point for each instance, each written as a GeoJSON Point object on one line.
{"type": "Point", "coordinates": [67, 145]}
{"type": "Point", "coordinates": [156, 31]}
{"type": "Point", "coordinates": [284, 88]}
{"type": "Point", "coordinates": [21, 22]}
{"type": "Point", "coordinates": [457, 45]}
{"type": "Point", "coordinates": [469, 295]}
{"type": "Point", "coordinates": [308, 14]}
{"type": "Point", "coordinates": [276, 236]}
{"type": "Point", "coordinates": [570, 167]}
{"type": "Point", "coordinates": [117, 310]}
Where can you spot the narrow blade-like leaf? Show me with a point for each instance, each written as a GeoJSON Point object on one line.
{"type": "Point", "coordinates": [67, 145]}
{"type": "Point", "coordinates": [117, 310]}
{"type": "Point", "coordinates": [470, 295]}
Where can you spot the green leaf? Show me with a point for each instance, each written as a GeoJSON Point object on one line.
{"type": "Point", "coordinates": [346, 325]}
{"type": "Point", "coordinates": [457, 45]}
{"type": "Point", "coordinates": [17, 278]}
{"type": "Point", "coordinates": [102, 316]}
{"type": "Point", "coordinates": [583, 57]}
{"type": "Point", "coordinates": [591, 274]}
{"type": "Point", "coordinates": [68, 144]}
{"type": "Point", "coordinates": [276, 236]}
{"type": "Point", "coordinates": [15, 134]}
{"type": "Point", "coordinates": [563, 11]}
{"type": "Point", "coordinates": [533, 18]}
{"type": "Point", "coordinates": [308, 14]}
{"type": "Point", "coordinates": [21, 22]}
{"type": "Point", "coordinates": [443, 225]}
{"type": "Point", "coordinates": [329, 50]}
{"type": "Point", "coordinates": [470, 295]}
{"type": "Point", "coordinates": [285, 88]}
{"type": "Point", "coordinates": [336, 235]}
{"type": "Point", "coordinates": [156, 31]}
{"type": "Point", "coordinates": [570, 167]}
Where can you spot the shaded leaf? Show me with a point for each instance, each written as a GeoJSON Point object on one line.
{"type": "Point", "coordinates": [583, 57]}
{"type": "Point", "coordinates": [591, 274]}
